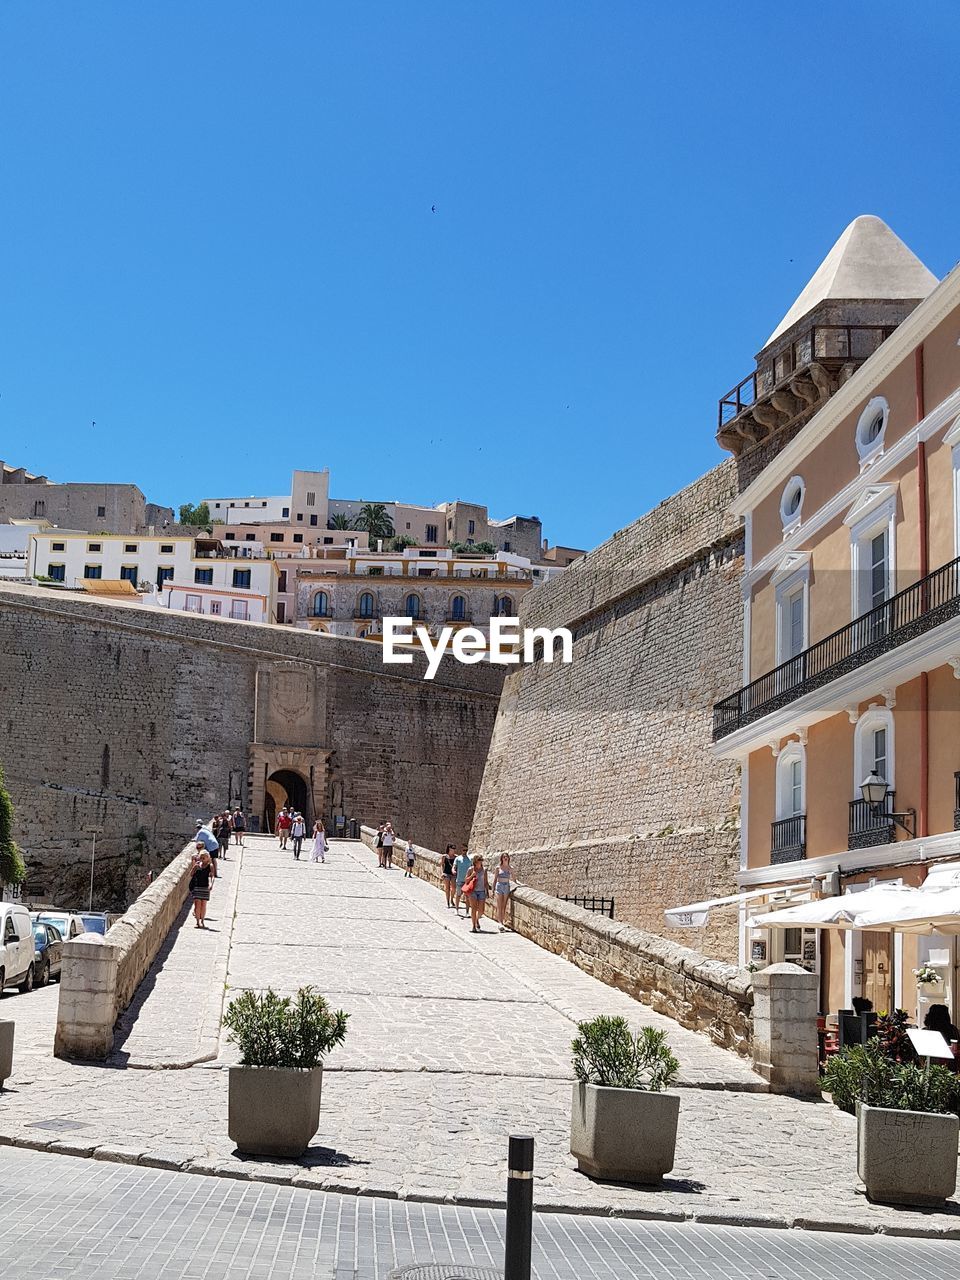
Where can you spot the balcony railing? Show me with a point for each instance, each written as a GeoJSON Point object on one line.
{"type": "Point", "coordinates": [908, 614]}
{"type": "Point", "coordinates": [828, 344]}
{"type": "Point", "coordinates": [871, 824]}
{"type": "Point", "coordinates": [788, 839]}
{"type": "Point", "coordinates": [956, 802]}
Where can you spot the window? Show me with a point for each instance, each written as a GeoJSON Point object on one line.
{"type": "Point", "coordinates": [328, 542]}
{"type": "Point", "coordinates": [872, 548]}
{"type": "Point", "coordinates": [313, 521]}
{"type": "Point", "coordinates": [298, 537]}
{"type": "Point", "coordinates": [231, 537]}
{"type": "Point", "coordinates": [281, 611]}
{"type": "Point", "coordinates": [39, 507]}
{"type": "Point", "coordinates": [879, 569]}
{"type": "Point", "coordinates": [408, 524]}
{"type": "Point", "coordinates": [282, 580]}
{"type": "Point", "coordinates": [246, 504]}
{"type": "Point", "coordinates": [791, 770]}
{"type": "Point", "coordinates": [375, 571]}
{"type": "Point", "coordinates": [94, 546]}
{"type": "Point", "coordinates": [871, 429]}
{"type": "Point", "coordinates": [321, 606]}
{"type": "Point", "coordinates": [203, 577]}
{"type": "Point", "coordinates": [311, 499]}
{"type": "Point", "coordinates": [58, 546]}
{"type": "Point", "coordinates": [504, 607]}
{"type": "Point", "coordinates": [249, 537]}
{"type": "Point", "coordinates": [873, 747]}
{"type": "Point", "coordinates": [458, 609]}
{"type": "Point", "coordinates": [193, 604]}
{"type": "Point", "coordinates": [93, 570]}
{"type": "Point", "coordinates": [101, 511]}
{"type": "Point", "coordinates": [217, 505]}
{"type": "Point", "coordinates": [506, 546]}
{"type": "Point", "coordinates": [285, 513]}
{"type": "Point", "coordinates": [276, 537]}
{"type": "Point", "coordinates": [164, 574]}
{"type": "Point", "coordinates": [241, 577]}
{"type": "Point", "coordinates": [166, 548]}
{"type": "Point", "coordinates": [300, 516]}
{"type": "Point", "coordinates": [57, 572]}
{"type": "Point", "coordinates": [239, 609]}
{"type": "Point", "coordinates": [130, 548]}
{"type": "Point", "coordinates": [366, 605]}
{"type": "Point", "coordinates": [215, 608]}
{"type": "Point", "coordinates": [431, 533]}
{"type": "Point", "coordinates": [411, 607]}
{"type": "Point", "coordinates": [791, 504]}
{"type": "Point", "coordinates": [128, 573]}
{"type": "Point", "coordinates": [471, 526]}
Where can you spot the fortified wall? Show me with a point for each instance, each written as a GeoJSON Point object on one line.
{"type": "Point", "coordinates": [131, 722]}
{"type": "Point", "coordinates": [600, 780]}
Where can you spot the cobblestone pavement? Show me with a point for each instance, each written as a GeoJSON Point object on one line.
{"type": "Point", "coordinates": [62, 1217]}
{"type": "Point", "coordinates": [454, 1041]}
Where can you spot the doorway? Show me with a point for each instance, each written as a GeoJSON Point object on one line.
{"type": "Point", "coordinates": [286, 787]}
{"type": "Point", "coordinates": [877, 981]}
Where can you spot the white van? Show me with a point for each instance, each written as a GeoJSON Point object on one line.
{"type": "Point", "coordinates": [16, 947]}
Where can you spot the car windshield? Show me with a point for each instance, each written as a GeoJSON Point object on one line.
{"type": "Point", "coordinates": [94, 924]}
{"type": "Point", "coordinates": [40, 933]}
{"type": "Point", "coordinates": [60, 923]}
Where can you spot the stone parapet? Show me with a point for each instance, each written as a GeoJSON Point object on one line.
{"type": "Point", "coordinates": [785, 1050]}
{"type": "Point", "coordinates": [705, 995]}
{"type": "Point", "coordinates": [101, 973]}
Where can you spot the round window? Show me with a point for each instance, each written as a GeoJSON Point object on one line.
{"type": "Point", "coordinates": [791, 502]}
{"type": "Point", "coordinates": [871, 428]}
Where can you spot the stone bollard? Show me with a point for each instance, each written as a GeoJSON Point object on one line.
{"type": "Point", "coordinates": [88, 998]}
{"type": "Point", "coordinates": [6, 1050]}
{"type": "Point", "coordinates": [785, 1051]}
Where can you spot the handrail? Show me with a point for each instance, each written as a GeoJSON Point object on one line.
{"type": "Point", "coordinates": [909, 613]}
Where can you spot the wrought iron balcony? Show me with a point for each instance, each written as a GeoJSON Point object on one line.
{"type": "Point", "coordinates": [788, 839]}
{"type": "Point", "coordinates": [919, 608]}
{"type": "Point", "coordinates": [871, 824]}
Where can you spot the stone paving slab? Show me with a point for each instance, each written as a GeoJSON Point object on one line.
{"type": "Point", "coordinates": [62, 1217]}
{"type": "Point", "coordinates": [418, 1102]}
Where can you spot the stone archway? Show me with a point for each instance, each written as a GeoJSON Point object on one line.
{"type": "Point", "coordinates": [279, 775]}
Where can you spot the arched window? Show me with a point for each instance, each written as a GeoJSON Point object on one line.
{"type": "Point", "coordinates": [458, 608]}
{"type": "Point", "coordinates": [321, 605]}
{"type": "Point", "coordinates": [791, 781]}
{"type": "Point", "coordinates": [873, 748]}
{"type": "Point", "coordinates": [366, 605]}
{"type": "Point", "coordinates": [412, 607]}
{"type": "Point", "coordinates": [504, 607]}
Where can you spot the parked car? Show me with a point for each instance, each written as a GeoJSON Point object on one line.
{"type": "Point", "coordinates": [17, 951]}
{"type": "Point", "coordinates": [95, 921]}
{"type": "Point", "coordinates": [67, 923]}
{"type": "Point", "coordinates": [48, 961]}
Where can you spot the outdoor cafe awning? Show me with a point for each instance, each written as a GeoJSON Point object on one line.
{"type": "Point", "coordinates": [847, 911]}
{"type": "Point", "coordinates": [696, 914]}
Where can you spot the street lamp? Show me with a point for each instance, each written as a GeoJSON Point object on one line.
{"type": "Point", "coordinates": [875, 790]}
{"type": "Point", "coordinates": [93, 831]}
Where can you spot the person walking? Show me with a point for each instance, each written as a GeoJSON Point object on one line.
{"type": "Point", "coordinates": [298, 830]}
{"type": "Point", "coordinates": [379, 844]}
{"type": "Point", "coordinates": [503, 877]}
{"type": "Point", "coordinates": [461, 869]}
{"type": "Point", "coordinates": [319, 852]}
{"type": "Point", "coordinates": [239, 823]}
{"type": "Point", "coordinates": [411, 859]}
{"type": "Point", "coordinates": [476, 887]}
{"type": "Point", "coordinates": [223, 833]}
{"type": "Point", "coordinates": [205, 837]}
{"type": "Point", "coordinates": [200, 884]}
{"type": "Point", "coordinates": [449, 875]}
{"type": "Point", "coordinates": [284, 823]}
{"type": "Point", "coordinates": [389, 840]}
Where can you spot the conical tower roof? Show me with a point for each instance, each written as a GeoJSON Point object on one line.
{"type": "Point", "coordinates": [869, 262]}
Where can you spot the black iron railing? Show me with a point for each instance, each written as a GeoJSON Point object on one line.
{"type": "Point", "coordinates": [919, 608]}
{"type": "Point", "coordinates": [956, 802]}
{"type": "Point", "coordinates": [871, 824]}
{"type": "Point", "coordinates": [604, 906]}
{"type": "Point", "coordinates": [827, 344]}
{"type": "Point", "coordinates": [788, 839]}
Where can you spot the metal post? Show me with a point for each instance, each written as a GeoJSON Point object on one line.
{"type": "Point", "coordinates": [93, 858]}
{"type": "Point", "coordinates": [519, 1209]}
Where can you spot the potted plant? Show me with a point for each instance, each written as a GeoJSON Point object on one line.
{"type": "Point", "coordinates": [927, 976]}
{"type": "Point", "coordinates": [623, 1126]}
{"type": "Point", "coordinates": [907, 1124]}
{"type": "Point", "coordinates": [274, 1094]}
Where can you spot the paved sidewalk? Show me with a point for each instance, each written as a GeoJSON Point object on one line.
{"type": "Point", "coordinates": [454, 1041]}
{"type": "Point", "coordinates": [62, 1217]}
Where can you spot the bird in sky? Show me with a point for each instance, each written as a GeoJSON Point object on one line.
{"type": "Point", "coordinates": [433, 208]}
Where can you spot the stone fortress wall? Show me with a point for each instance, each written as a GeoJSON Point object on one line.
{"type": "Point", "coordinates": [132, 723]}
{"type": "Point", "coordinates": [600, 778]}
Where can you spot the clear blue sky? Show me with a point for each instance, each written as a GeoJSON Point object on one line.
{"type": "Point", "coordinates": [217, 239]}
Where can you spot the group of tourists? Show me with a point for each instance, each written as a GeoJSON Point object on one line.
{"type": "Point", "coordinates": [466, 879]}
{"type": "Point", "coordinates": [291, 828]}
{"type": "Point", "coordinates": [211, 843]}
{"type": "Point", "coordinates": [385, 844]}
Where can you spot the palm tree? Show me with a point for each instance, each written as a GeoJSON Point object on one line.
{"type": "Point", "coordinates": [340, 521]}
{"type": "Point", "coordinates": [374, 519]}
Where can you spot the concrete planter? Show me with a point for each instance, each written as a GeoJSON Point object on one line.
{"type": "Point", "coordinates": [624, 1135]}
{"type": "Point", "coordinates": [273, 1111]}
{"type": "Point", "coordinates": [6, 1051]}
{"type": "Point", "coordinates": [907, 1157]}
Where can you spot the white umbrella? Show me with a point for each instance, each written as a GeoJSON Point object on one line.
{"type": "Point", "coordinates": [843, 912]}
{"type": "Point", "coordinates": [930, 911]}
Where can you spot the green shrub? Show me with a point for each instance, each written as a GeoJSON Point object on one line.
{"type": "Point", "coordinates": [12, 867]}
{"type": "Point", "coordinates": [277, 1031]}
{"type": "Point", "coordinates": [606, 1052]}
{"type": "Point", "coordinates": [866, 1073]}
